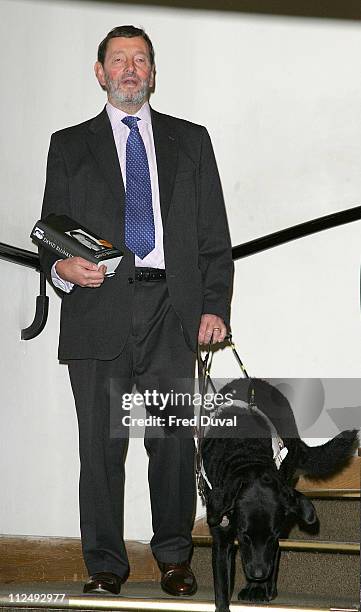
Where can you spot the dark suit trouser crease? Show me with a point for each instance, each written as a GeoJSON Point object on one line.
{"type": "Point", "coordinates": [155, 356]}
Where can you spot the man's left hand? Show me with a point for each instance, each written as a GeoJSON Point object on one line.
{"type": "Point", "coordinates": [211, 324]}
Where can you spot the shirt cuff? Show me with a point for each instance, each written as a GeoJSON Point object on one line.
{"type": "Point", "coordinates": [60, 283]}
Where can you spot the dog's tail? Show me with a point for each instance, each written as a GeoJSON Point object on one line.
{"type": "Point", "coordinates": [322, 461]}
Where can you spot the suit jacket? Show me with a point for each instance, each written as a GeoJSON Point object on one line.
{"type": "Point", "coordinates": [84, 181]}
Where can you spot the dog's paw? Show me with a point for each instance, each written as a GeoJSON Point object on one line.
{"type": "Point", "coordinates": [261, 591]}
{"type": "Point", "coordinates": [252, 593]}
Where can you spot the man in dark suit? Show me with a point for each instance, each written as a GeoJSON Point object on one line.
{"type": "Point", "coordinates": [148, 183]}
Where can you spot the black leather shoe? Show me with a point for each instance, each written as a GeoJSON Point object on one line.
{"type": "Point", "coordinates": [103, 582]}
{"type": "Point", "coordinates": [177, 578]}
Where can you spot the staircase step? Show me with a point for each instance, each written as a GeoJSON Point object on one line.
{"type": "Point", "coordinates": [60, 558]}
{"type": "Point", "coordinates": [149, 597]}
{"type": "Point", "coordinates": [345, 482]}
{"type": "Point", "coordinates": [339, 521]}
{"type": "Point", "coordinates": [323, 574]}
{"type": "Point", "coordinates": [298, 544]}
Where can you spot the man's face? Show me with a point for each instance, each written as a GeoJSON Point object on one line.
{"type": "Point", "coordinates": [127, 74]}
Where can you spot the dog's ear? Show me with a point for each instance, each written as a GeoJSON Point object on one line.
{"type": "Point", "coordinates": [221, 501]}
{"type": "Point", "coordinates": [306, 509]}
{"type": "Point", "coordinates": [299, 505]}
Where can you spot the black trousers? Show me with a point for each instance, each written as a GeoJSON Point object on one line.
{"type": "Point", "coordinates": [156, 356]}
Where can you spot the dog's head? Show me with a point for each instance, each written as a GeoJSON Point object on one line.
{"type": "Point", "coordinates": [265, 509]}
{"type": "Point", "coordinates": [262, 510]}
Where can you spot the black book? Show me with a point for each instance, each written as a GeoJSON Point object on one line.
{"type": "Point", "coordinates": [68, 238]}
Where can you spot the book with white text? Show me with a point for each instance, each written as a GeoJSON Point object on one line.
{"type": "Point", "coordinates": [68, 238]}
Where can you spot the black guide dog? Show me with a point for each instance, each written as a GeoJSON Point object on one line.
{"type": "Point", "coordinates": [248, 498]}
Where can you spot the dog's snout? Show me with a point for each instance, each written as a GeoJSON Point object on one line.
{"type": "Point", "coordinates": [258, 573]}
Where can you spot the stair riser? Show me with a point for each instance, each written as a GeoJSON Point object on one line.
{"type": "Point", "coordinates": [339, 521]}
{"type": "Point", "coordinates": [299, 572]}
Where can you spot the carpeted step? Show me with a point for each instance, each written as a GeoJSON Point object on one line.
{"type": "Point", "coordinates": [149, 597]}
{"type": "Point", "coordinates": [332, 577]}
{"type": "Point", "coordinates": [339, 521]}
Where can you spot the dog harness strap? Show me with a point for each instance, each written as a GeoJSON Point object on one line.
{"type": "Point", "coordinates": [203, 472]}
{"type": "Point", "coordinates": [204, 366]}
{"type": "Point", "coordinates": [238, 359]}
{"type": "Point", "coordinates": [278, 447]}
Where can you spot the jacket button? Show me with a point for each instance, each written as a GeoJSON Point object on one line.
{"type": "Point", "coordinates": [130, 280]}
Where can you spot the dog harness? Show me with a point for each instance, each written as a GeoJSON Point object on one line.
{"type": "Point", "coordinates": [280, 451]}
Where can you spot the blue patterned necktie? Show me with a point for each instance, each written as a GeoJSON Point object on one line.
{"type": "Point", "coordinates": [139, 220]}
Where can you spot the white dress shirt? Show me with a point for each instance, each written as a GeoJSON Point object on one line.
{"type": "Point", "coordinates": [154, 259]}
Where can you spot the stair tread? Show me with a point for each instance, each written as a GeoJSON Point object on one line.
{"type": "Point", "coordinates": [151, 591]}
{"type": "Point", "coordinates": [305, 536]}
{"type": "Point", "coordinates": [325, 574]}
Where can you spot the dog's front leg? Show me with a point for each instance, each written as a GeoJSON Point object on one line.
{"type": "Point", "coordinates": [272, 582]}
{"type": "Point", "coordinates": [222, 554]}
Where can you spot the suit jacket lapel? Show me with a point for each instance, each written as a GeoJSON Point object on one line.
{"type": "Point", "coordinates": [102, 145]}
{"type": "Point", "coordinates": [166, 150]}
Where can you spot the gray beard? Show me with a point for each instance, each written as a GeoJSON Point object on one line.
{"type": "Point", "coordinates": [136, 98]}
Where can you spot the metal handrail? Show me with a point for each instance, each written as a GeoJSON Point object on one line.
{"type": "Point", "coordinates": [296, 231]}
{"type": "Point", "coordinates": [19, 256]}
{"type": "Point", "coordinates": [41, 312]}
{"type": "Point", "coordinates": [31, 259]}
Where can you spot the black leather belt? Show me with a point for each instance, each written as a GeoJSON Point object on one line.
{"type": "Point", "coordinates": [149, 274]}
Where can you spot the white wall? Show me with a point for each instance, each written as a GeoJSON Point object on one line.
{"type": "Point", "coordinates": [281, 98]}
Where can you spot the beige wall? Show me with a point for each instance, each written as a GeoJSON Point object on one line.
{"type": "Point", "coordinates": [281, 98]}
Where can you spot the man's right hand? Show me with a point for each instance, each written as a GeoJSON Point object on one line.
{"type": "Point", "coordinates": [81, 272]}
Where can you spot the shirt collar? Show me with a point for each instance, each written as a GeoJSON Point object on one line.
{"type": "Point", "coordinates": [116, 115]}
